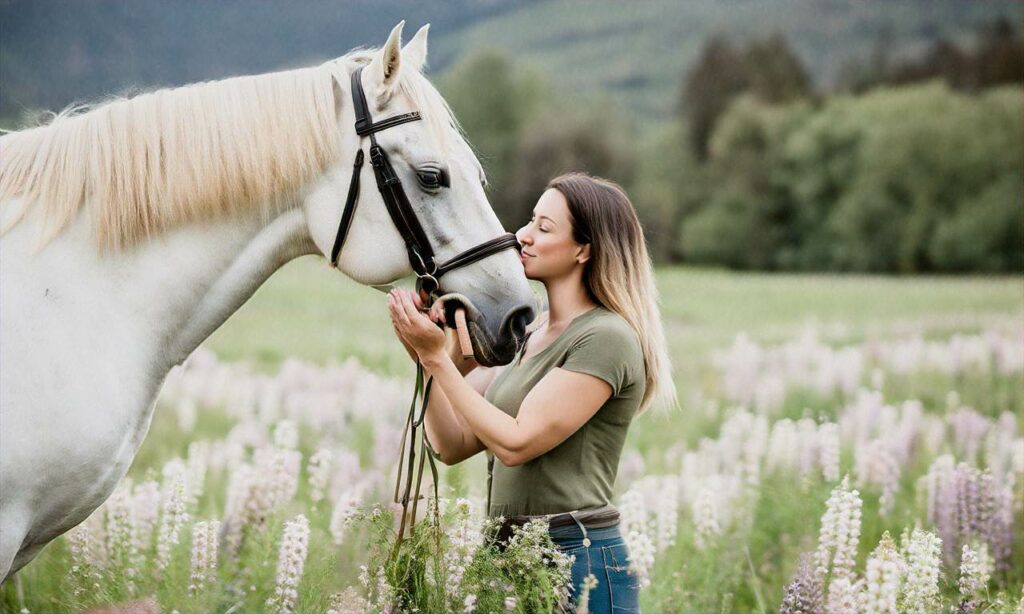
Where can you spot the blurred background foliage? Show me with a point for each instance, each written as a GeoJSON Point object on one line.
{"type": "Point", "coordinates": [760, 135]}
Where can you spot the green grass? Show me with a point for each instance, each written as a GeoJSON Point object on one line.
{"type": "Point", "coordinates": [309, 311]}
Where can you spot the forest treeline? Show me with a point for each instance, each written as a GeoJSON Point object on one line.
{"type": "Point", "coordinates": [908, 166]}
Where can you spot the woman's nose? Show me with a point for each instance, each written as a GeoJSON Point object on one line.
{"type": "Point", "coordinates": [523, 236]}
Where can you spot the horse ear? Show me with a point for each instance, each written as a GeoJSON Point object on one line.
{"type": "Point", "coordinates": [414, 54]}
{"type": "Point", "coordinates": [386, 64]}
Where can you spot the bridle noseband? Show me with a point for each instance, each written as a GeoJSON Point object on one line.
{"type": "Point", "coordinates": [421, 255]}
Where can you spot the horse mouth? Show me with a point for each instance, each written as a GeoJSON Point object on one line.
{"type": "Point", "coordinates": [487, 350]}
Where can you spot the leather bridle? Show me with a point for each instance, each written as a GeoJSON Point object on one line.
{"type": "Point", "coordinates": [421, 254]}
{"type": "Point", "coordinates": [428, 273]}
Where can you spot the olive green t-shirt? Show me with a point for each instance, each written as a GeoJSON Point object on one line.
{"type": "Point", "coordinates": [578, 473]}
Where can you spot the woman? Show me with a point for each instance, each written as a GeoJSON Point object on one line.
{"type": "Point", "coordinates": [556, 417]}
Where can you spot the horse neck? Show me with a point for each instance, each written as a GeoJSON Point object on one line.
{"type": "Point", "coordinates": [236, 262]}
{"type": "Point", "coordinates": [163, 297]}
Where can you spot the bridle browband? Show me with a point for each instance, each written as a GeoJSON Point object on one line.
{"type": "Point", "coordinates": [421, 255]}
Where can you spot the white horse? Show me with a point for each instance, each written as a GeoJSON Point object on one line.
{"type": "Point", "coordinates": [134, 230]}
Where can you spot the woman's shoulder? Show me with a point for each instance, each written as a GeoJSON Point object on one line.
{"type": "Point", "coordinates": [607, 320]}
{"type": "Point", "coordinates": [611, 331]}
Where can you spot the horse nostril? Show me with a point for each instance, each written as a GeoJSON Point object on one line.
{"type": "Point", "coordinates": [516, 322]}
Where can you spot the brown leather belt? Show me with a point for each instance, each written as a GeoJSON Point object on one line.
{"type": "Point", "coordinates": [597, 519]}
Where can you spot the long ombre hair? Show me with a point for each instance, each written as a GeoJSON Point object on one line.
{"type": "Point", "coordinates": [619, 275]}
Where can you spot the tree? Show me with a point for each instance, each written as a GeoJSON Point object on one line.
{"type": "Point", "coordinates": [748, 219]}
{"type": "Point", "coordinates": [767, 68]}
{"type": "Point", "coordinates": [590, 140]}
{"type": "Point", "coordinates": [669, 185]}
{"type": "Point", "coordinates": [719, 74]}
{"type": "Point", "coordinates": [997, 58]}
{"type": "Point", "coordinates": [776, 74]}
{"type": "Point", "coordinates": [493, 104]}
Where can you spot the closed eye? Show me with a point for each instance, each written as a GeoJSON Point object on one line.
{"type": "Point", "coordinates": [432, 178]}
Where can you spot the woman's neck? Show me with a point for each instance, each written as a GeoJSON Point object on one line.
{"type": "Point", "coordinates": [567, 298]}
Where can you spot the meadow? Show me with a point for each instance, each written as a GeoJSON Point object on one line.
{"type": "Point", "coordinates": [844, 444]}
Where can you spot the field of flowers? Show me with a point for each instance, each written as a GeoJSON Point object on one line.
{"type": "Point", "coordinates": [844, 445]}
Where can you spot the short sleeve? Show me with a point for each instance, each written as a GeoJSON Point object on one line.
{"type": "Point", "coordinates": [607, 352]}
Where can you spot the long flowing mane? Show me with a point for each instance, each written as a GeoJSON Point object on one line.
{"type": "Point", "coordinates": [146, 164]}
{"type": "Point", "coordinates": [197, 152]}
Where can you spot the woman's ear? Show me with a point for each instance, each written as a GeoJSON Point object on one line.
{"type": "Point", "coordinates": [583, 254]}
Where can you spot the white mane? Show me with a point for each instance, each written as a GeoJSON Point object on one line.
{"type": "Point", "coordinates": [196, 152]}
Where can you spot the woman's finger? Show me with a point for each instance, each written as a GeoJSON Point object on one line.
{"type": "Point", "coordinates": [437, 313]}
{"type": "Point", "coordinates": [395, 317]}
{"type": "Point", "coordinates": [399, 310]}
{"type": "Point", "coordinates": [408, 306]}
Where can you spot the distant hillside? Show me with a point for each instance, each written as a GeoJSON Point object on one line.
{"type": "Point", "coordinates": [53, 53]}
{"type": "Point", "coordinates": [638, 51]}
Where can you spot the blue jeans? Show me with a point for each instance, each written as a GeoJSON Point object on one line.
{"type": "Point", "coordinates": [618, 588]}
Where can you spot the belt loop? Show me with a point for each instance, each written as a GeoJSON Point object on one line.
{"type": "Point", "coordinates": [586, 540]}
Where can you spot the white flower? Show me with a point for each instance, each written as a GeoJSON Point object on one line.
{"type": "Point", "coordinates": [196, 466]}
{"type": "Point", "coordinates": [121, 531]}
{"type": "Point", "coordinates": [173, 517]}
{"type": "Point", "coordinates": [842, 595]}
{"type": "Point", "coordinates": [85, 562]}
{"type": "Point", "coordinates": [583, 602]}
{"type": "Point", "coordinates": [633, 512]}
{"type": "Point", "coordinates": [286, 435]}
{"type": "Point", "coordinates": [840, 531]}
{"type": "Point", "coordinates": [469, 604]}
{"type": "Point", "coordinates": [641, 556]}
{"type": "Point", "coordinates": [975, 569]}
{"type": "Point", "coordinates": [876, 464]}
{"type": "Point", "coordinates": [828, 438]}
{"type": "Point", "coordinates": [204, 554]}
{"type": "Point", "coordinates": [921, 589]}
{"type": "Point", "coordinates": [882, 579]}
{"type": "Point", "coordinates": [667, 514]}
{"type": "Point", "coordinates": [464, 539]}
{"type": "Point", "coordinates": [706, 516]}
{"type": "Point", "coordinates": [319, 474]}
{"type": "Point", "coordinates": [278, 471]}
{"type": "Point", "coordinates": [146, 501]}
{"type": "Point", "coordinates": [290, 562]}
{"type": "Point", "coordinates": [345, 509]}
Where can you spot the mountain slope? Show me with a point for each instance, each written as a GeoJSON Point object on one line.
{"type": "Point", "coordinates": [639, 51]}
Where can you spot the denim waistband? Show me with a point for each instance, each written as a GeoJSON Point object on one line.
{"type": "Point", "coordinates": [575, 532]}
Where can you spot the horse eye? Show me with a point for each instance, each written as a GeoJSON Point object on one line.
{"type": "Point", "coordinates": [432, 179]}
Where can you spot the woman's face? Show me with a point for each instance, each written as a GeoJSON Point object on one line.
{"type": "Point", "coordinates": [549, 250]}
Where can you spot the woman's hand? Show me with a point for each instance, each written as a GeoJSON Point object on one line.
{"type": "Point", "coordinates": [418, 331]}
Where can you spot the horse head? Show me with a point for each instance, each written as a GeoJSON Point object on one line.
{"type": "Point", "coordinates": [442, 185]}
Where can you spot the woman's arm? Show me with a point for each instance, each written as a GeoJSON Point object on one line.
{"type": "Point", "coordinates": [553, 410]}
{"type": "Point", "coordinates": [449, 434]}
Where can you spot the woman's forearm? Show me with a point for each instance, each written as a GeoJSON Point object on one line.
{"type": "Point", "coordinates": [446, 432]}
{"type": "Point", "coordinates": [449, 433]}
{"type": "Point", "coordinates": [497, 430]}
